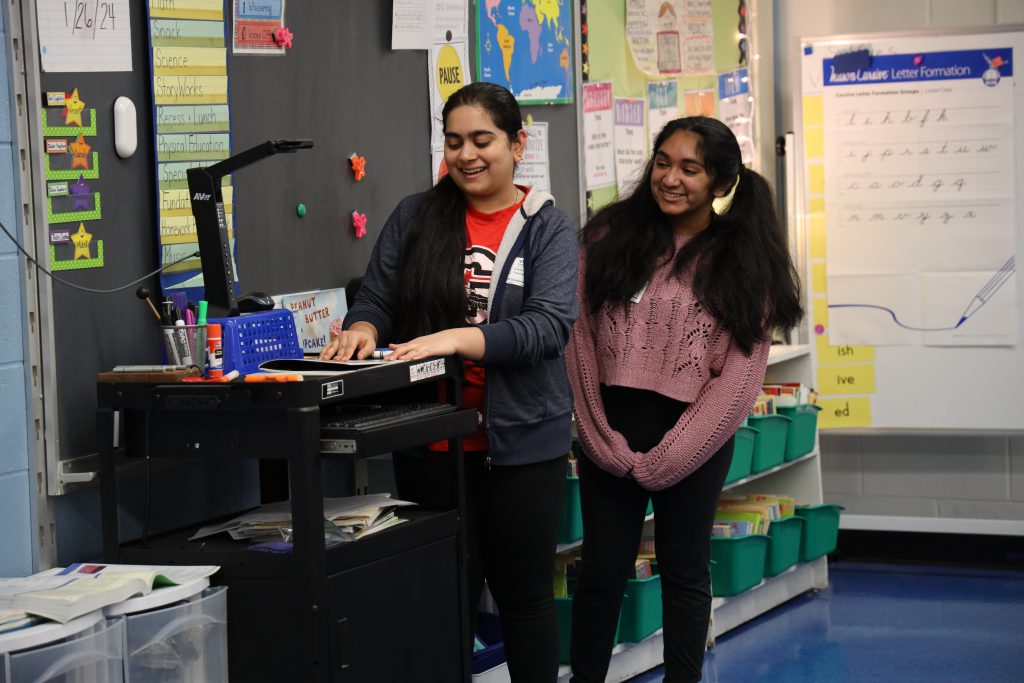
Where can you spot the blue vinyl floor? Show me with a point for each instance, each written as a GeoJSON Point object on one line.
{"type": "Point", "coordinates": [882, 622]}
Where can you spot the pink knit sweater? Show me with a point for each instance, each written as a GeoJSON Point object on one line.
{"type": "Point", "coordinates": [666, 343]}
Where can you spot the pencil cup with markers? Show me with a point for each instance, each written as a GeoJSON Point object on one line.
{"type": "Point", "coordinates": [186, 345]}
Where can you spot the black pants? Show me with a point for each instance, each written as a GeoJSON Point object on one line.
{"type": "Point", "coordinates": [513, 521]}
{"type": "Point", "coordinates": [613, 517]}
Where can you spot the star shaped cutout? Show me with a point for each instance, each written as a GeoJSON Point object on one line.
{"type": "Point", "coordinates": [80, 153]}
{"type": "Point", "coordinates": [81, 240]}
{"type": "Point", "coordinates": [73, 107]}
{"type": "Point", "coordinates": [359, 223]}
{"type": "Point", "coordinates": [80, 192]}
{"type": "Point", "coordinates": [283, 37]}
{"type": "Point", "coordinates": [358, 166]}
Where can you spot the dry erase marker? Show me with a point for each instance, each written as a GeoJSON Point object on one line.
{"type": "Point", "coordinates": [183, 346]}
{"type": "Point", "coordinates": [380, 354]}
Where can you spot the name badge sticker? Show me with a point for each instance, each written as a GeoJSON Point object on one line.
{"type": "Point", "coordinates": [639, 295]}
{"type": "Point", "coordinates": [516, 274]}
{"type": "Point", "coordinates": [426, 370]}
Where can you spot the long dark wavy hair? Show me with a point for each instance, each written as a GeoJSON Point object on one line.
{"type": "Point", "coordinates": [742, 271]}
{"type": "Point", "coordinates": [431, 295]}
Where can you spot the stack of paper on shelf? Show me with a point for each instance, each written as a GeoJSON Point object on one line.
{"type": "Point", "coordinates": [349, 518]}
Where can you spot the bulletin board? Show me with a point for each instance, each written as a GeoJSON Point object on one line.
{"type": "Point", "coordinates": [913, 153]}
{"type": "Point", "coordinates": [611, 59]}
{"type": "Point", "coordinates": [339, 84]}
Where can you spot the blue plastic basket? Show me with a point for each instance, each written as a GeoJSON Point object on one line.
{"type": "Point", "coordinates": [253, 338]}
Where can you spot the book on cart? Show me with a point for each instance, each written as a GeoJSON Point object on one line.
{"type": "Point", "coordinates": [62, 594]}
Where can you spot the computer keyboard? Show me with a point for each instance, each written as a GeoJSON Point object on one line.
{"type": "Point", "coordinates": [372, 417]}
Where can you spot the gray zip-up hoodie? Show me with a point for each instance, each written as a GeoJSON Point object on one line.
{"type": "Point", "coordinates": [531, 310]}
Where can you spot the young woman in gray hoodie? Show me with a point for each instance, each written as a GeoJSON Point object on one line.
{"type": "Point", "coordinates": [484, 269]}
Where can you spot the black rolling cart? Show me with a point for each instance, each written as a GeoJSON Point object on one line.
{"type": "Point", "coordinates": [388, 607]}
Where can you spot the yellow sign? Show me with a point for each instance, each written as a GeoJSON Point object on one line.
{"type": "Point", "coordinates": [819, 284]}
{"type": "Point", "coordinates": [817, 225]}
{"type": "Point", "coordinates": [449, 72]}
{"type": "Point", "coordinates": [846, 379]}
{"type": "Point", "coordinates": [839, 413]}
{"type": "Point", "coordinates": [814, 110]}
{"type": "Point", "coordinates": [816, 178]}
{"type": "Point", "coordinates": [81, 240]}
{"type": "Point", "coordinates": [844, 353]}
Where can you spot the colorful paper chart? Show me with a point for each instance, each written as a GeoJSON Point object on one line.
{"type": "Point", "coordinates": [56, 131]}
{"type": "Point", "coordinates": [77, 264]}
{"type": "Point", "coordinates": [69, 216]}
{"type": "Point", "coordinates": [73, 173]}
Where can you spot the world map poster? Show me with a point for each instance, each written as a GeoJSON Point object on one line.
{"type": "Point", "coordinates": [527, 46]}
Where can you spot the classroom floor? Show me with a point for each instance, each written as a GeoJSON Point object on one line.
{"type": "Point", "coordinates": [882, 622]}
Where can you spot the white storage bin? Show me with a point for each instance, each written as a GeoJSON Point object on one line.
{"type": "Point", "coordinates": [92, 655]}
{"type": "Point", "coordinates": [186, 642]}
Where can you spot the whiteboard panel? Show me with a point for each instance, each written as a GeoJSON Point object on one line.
{"type": "Point", "coordinates": [912, 159]}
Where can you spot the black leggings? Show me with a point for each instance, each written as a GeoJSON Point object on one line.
{"type": "Point", "coordinates": [513, 520]}
{"type": "Point", "coordinates": [613, 518]}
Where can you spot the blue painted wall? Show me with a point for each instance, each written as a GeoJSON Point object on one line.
{"type": "Point", "coordinates": [15, 479]}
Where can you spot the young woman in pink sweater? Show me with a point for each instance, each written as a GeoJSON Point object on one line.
{"type": "Point", "coordinates": [677, 303]}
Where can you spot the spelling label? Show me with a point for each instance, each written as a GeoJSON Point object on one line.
{"type": "Point", "coordinates": [515, 273]}
{"type": "Point", "coordinates": [422, 371]}
{"type": "Point", "coordinates": [332, 389]}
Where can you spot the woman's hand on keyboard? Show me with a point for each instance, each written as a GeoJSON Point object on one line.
{"type": "Point", "coordinates": [358, 341]}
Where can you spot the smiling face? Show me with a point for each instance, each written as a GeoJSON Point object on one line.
{"type": "Point", "coordinates": [681, 185]}
{"type": "Point", "coordinates": [480, 157]}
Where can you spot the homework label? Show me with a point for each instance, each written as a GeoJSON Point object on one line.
{"type": "Point", "coordinates": [839, 413]}
{"type": "Point", "coordinates": [422, 371]}
{"type": "Point", "coordinates": [332, 389]}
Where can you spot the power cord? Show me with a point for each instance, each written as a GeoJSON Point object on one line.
{"type": "Point", "coordinates": [90, 289]}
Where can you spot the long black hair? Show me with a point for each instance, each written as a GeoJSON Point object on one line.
{"type": "Point", "coordinates": [742, 271]}
{"type": "Point", "coordinates": [431, 293]}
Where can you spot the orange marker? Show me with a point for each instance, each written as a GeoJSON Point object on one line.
{"type": "Point", "coordinates": [273, 377]}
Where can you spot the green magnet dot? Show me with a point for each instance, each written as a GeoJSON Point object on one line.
{"type": "Point", "coordinates": [300, 210]}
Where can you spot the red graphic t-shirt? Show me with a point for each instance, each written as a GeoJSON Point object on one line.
{"type": "Point", "coordinates": [483, 237]}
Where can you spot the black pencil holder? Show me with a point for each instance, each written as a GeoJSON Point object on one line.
{"type": "Point", "coordinates": [186, 345]}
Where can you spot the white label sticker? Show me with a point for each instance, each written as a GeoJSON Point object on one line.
{"type": "Point", "coordinates": [332, 389]}
{"type": "Point", "coordinates": [516, 273]}
{"type": "Point", "coordinates": [426, 370]}
{"type": "Point", "coordinates": [639, 295]}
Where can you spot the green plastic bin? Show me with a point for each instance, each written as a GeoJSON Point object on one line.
{"type": "Point", "coordinates": [737, 563]}
{"type": "Point", "coordinates": [783, 545]}
{"type": "Point", "coordinates": [804, 425]}
{"type": "Point", "coordinates": [821, 530]}
{"type": "Point", "coordinates": [563, 610]}
{"type": "Point", "coordinates": [641, 609]}
{"type": "Point", "coordinates": [742, 454]}
{"type": "Point", "coordinates": [769, 442]}
{"type": "Point", "coordinates": [572, 514]}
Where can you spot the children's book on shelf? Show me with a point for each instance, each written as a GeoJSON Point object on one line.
{"type": "Point", "coordinates": [62, 594]}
